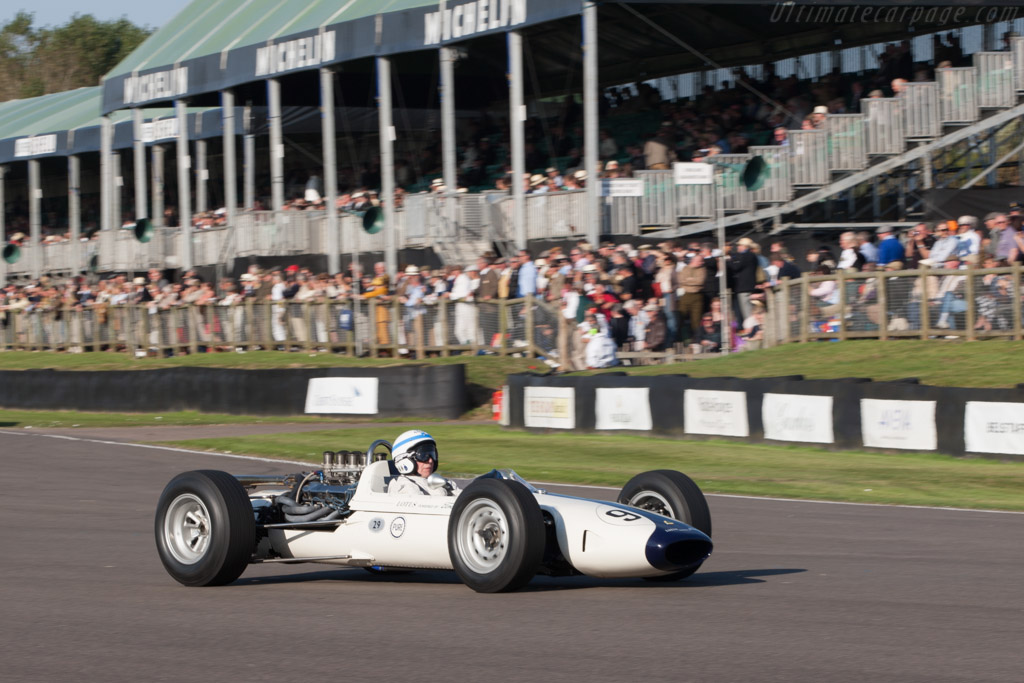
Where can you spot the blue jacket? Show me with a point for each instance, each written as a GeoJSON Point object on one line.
{"type": "Point", "coordinates": [889, 250]}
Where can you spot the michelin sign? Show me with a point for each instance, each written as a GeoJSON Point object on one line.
{"type": "Point", "coordinates": [462, 20]}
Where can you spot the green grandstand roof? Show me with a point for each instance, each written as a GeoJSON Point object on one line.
{"type": "Point", "coordinates": [208, 27]}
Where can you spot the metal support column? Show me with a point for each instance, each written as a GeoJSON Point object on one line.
{"type": "Point", "coordinates": [184, 188]}
{"type": "Point", "coordinates": [387, 163]}
{"type": "Point", "coordinates": [75, 213]}
{"type": "Point", "coordinates": [3, 225]}
{"type": "Point", "coordinates": [106, 175]}
{"type": "Point", "coordinates": [227, 112]}
{"type": "Point", "coordinates": [202, 176]}
{"type": "Point", "coordinates": [590, 122]}
{"type": "Point", "coordinates": [249, 163]}
{"type": "Point", "coordinates": [139, 166]}
{"type": "Point", "coordinates": [333, 245]}
{"type": "Point", "coordinates": [35, 219]}
{"type": "Point", "coordinates": [276, 145]}
{"type": "Point", "coordinates": [516, 118]}
{"type": "Point", "coordinates": [448, 161]}
{"type": "Point", "coordinates": [723, 265]}
{"type": "Point", "coordinates": [157, 154]}
{"type": "Point", "coordinates": [116, 191]}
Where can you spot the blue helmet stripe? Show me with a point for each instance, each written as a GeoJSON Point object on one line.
{"type": "Point", "coordinates": [423, 436]}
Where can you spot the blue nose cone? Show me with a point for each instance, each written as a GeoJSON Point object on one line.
{"type": "Point", "coordinates": [677, 547]}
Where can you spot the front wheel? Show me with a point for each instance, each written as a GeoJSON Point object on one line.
{"type": "Point", "coordinates": [496, 536]}
{"type": "Point", "coordinates": [205, 530]}
{"type": "Point", "coordinates": [671, 494]}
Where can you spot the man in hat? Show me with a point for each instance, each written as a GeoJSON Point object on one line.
{"type": "Point", "coordinates": [889, 248]}
{"type": "Point", "coordinates": [969, 240]}
{"type": "Point", "coordinates": [742, 275]}
{"type": "Point", "coordinates": [818, 116]}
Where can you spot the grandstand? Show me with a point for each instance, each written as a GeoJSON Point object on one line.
{"type": "Point", "coordinates": [509, 85]}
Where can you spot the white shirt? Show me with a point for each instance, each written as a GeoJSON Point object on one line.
{"type": "Point", "coordinates": [462, 288]}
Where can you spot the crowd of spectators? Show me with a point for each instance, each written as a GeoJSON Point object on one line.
{"type": "Point", "coordinates": [614, 298]}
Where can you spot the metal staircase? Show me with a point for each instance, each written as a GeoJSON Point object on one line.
{"type": "Point", "coordinates": [934, 134]}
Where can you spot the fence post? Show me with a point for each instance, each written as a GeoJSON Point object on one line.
{"type": "Point", "coordinates": [396, 318]}
{"type": "Point", "coordinates": [371, 321]}
{"type": "Point", "coordinates": [530, 337]}
{"type": "Point", "coordinates": [193, 328]}
{"type": "Point", "coordinates": [925, 320]}
{"type": "Point", "coordinates": [307, 321]}
{"type": "Point", "coordinates": [882, 296]}
{"type": "Point", "coordinates": [841, 283]}
{"type": "Point", "coordinates": [502, 325]}
{"type": "Point", "coordinates": [1018, 332]}
{"type": "Point", "coordinates": [248, 334]}
{"type": "Point", "coordinates": [129, 328]}
{"type": "Point", "coordinates": [442, 321]}
{"type": "Point", "coordinates": [417, 326]}
{"type": "Point", "coordinates": [969, 293]}
{"type": "Point", "coordinates": [805, 308]}
{"type": "Point", "coordinates": [268, 322]}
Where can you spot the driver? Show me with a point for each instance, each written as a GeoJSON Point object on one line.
{"type": "Point", "coordinates": [415, 457]}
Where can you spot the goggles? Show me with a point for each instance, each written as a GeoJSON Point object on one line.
{"type": "Point", "coordinates": [424, 453]}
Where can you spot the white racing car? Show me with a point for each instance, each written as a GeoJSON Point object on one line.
{"type": "Point", "coordinates": [496, 534]}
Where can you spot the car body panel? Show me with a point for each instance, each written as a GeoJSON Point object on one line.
{"type": "Point", "coordinates": [598, 538]}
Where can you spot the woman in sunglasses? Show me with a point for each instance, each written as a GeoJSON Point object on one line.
{"type": "Point", "coordinates": [415, 457]}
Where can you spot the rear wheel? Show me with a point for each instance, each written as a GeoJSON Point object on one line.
{"type": "Point", "coordinates": [672, 494]}
{"type": "Point", "coordinates": [205, 530]}
{"type": "Point", "coordinates": [496, 536]}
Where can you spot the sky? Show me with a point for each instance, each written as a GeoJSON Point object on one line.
{"type": "Point", "coordinates": [57, 12]}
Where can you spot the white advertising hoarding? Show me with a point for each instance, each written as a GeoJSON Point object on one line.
{"type": "Point", "coordinates": [721, 413]}
{"type": "Point", "coordinates": [551, 407]}
{"type": "Point", "coordinates": [898, 424]}
{"type": "Point", "coordinates": [994, 427]}
{"type": "Point", "coordinates": [350, 395]}
{"type": "Point", "coordinates": [796, 417]}
{"type": "Point", "coordinates": [623, 408]}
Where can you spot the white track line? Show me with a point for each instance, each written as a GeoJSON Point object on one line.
{"type": "Point", "coordinates": [539, 483]}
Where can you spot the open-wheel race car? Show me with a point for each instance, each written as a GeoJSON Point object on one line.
{"type": "Point", "coordinates": [496, 534]}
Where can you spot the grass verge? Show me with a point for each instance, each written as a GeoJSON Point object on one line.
{"type": "Point", "coordinates": [717, 466]}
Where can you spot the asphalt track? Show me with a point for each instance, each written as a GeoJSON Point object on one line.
{"type": "Point", "coordinates": [795, 591]}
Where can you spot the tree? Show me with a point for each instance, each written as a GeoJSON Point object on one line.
{"type": "Point", "coordinates": [40, 61]}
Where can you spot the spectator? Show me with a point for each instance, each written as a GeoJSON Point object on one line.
{"type": "Point", "coordinates": [709, 337]}
{"type": "Point", "coordinates": [919, 246]}
{"type": "Point", "coordinates": [969, 240]}
{"type": "Point", "coordinates": [1003, 238]}
{"type": "Point", "coordinates": [946, 244]}
{"type": "Point", "coordinates": [690, 281]}
{"type": "Point", "coordinates": [742, 267]}
{"type": "Point", "coordinates": [889, 248]}
{"type": "Point", "coordinates": [850, 258]}
{"type": "Point", "coordinates": [526, 280]}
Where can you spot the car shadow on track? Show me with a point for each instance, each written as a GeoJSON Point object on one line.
{"type": "Point", "coordinates": [539, 583]}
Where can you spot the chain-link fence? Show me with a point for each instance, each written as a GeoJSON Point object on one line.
{"type": "Point", "coordinates": [971, 304]}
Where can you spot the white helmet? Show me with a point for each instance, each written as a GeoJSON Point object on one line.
{"type": "Point", "coordinates": [411, 446]}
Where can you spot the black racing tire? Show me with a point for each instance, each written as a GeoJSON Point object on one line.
{"type": "Point", "coordinates": [672, 494]}
{"type": "Point", "coordinates": [205, 529]}
{"type": "Point", "coordinates": [496, 536]}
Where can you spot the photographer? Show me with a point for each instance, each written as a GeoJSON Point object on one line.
{"type": "Point", "coordinates": [918, 247]}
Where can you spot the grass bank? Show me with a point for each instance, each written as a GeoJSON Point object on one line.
{"type": "Point", "coordinates": [717, 466]}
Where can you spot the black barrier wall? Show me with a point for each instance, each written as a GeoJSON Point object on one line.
{"type": "Point", "coordinates": [850, 413]}
{"type": "Point", "coordinates": [406, 391]}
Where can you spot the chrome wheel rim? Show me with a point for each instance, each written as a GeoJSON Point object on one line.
{"type": "Point", "coordinates": [483, 536]}
{"type": "Point", "coordinates": [187, 529]}
{"type": "Point", "coordinates": [655, 502]}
